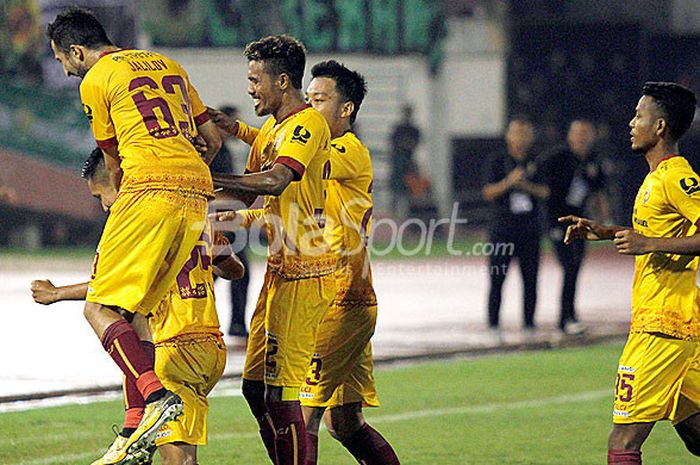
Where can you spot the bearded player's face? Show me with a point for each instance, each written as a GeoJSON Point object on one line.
{"type": "Point", "coordinates": [263, 88]}
{"type": "Point", "coordinates": [70, 62]}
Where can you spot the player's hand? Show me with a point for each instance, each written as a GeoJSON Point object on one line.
{"type": "Point", "coordinates": [629, 242]}
{"type": "Point", "coordinates": [200, 145]}
{"type": "Point", "coordinates": [582, 228]}
{"type": "Point", "coordinates": [222, 216]}
{"type": "Point", "coordinates": [44, 292]}
{"type": "Point", "coordinates": [223, 121]}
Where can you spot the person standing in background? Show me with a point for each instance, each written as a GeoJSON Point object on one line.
{"type": "Point", "coordinates": [574, 176]}
{"type": "Point", "coordinates": [404, 140]}
{"type": "Point", "coordinates": [513, 187]}
{"type": "Point", "coordinates": [224, 164]}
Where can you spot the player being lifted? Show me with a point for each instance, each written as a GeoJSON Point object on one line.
{"type": "Point", "coordinates": [189, 352]}
{"type": "Point", "coordinates": [659, 372]}
{"type": "Point", "coordinates": [340, 377]}
{"type": "Point", "coordinates": [286, 165]}
{"type": "Point", "coordinates": [143, 111]}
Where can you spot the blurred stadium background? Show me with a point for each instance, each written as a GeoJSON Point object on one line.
{"type": "Point", "coordinates": [464, 65]}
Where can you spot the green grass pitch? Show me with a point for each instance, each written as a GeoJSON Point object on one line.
{"type": "Point", "coordinates": [546, 407]}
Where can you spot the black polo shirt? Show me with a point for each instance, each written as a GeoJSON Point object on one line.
{"type": "Point", "coordinates": [516, 208]}
{"type": "Point", "coordinates": [571, 182]}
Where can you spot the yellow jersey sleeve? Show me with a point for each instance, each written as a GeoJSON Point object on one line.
{"type": "Point", "coordinates": [96, 106]}
{"type": "Point", "coordinates": [346, 161]}
{"type": "Point", "coordinates": [197, 107]}
{"type": "Point", "coordinates": [302, 142]}
{"type": "Point", "coordinates": [246, 133]}
{"type": "Point", "coordinates": [682, 187]}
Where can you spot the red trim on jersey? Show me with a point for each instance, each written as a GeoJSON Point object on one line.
{"type": "Point", "coordinates": [201, 119]}
{"type": "Point", "coordinates": [293, 165]}
{"type": "Point", "coordinates": [697, 223]}
{"type": "Point", "coordinates": [111, 51]}
{"type": "Point", "coordinates": [294, 112]}
{"type": "Point", "coordinates": [667, 157]}
{"type": "Point", "coordinates": [107, 143]}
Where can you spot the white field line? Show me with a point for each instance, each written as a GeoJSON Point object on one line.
{"type": "Point", "coordinates": [392, 418]}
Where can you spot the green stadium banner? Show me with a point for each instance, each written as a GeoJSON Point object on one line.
{"type": "Point", "coordinates": [47, 124]}
{"type": "Point", "coordinates": [348, 26]}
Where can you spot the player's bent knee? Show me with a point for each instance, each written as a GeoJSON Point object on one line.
{"type": "Point", "coordinates": [345, 421]}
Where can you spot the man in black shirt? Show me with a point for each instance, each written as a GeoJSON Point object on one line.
{"type": "Point", "coordinates": [574, 176]}
{"type": "Point", "coordinates": [513, 187]}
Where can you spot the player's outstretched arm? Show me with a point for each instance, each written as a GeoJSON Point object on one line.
{"type": "Point", "coordinates": [631, 243]}
{"type": "Point", "coordinates": [271, 182]}
{"type": "Point", "coordinates": [587, 229]}
{"type": "Point", "coordinates": [233, 127]}
{"type": "Point", "coordinates": [45, 293]}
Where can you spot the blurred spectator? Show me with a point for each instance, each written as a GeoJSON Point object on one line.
{"type": "Point", "coordinates": [404, 140]}
{"type": "Point", "coordinates": [223, 163]}
{"type": "Point", "coordinates": [21, 41]}
{"type": "Point", "coordinates": [7, 194]}
{"type": "Point", "coordinates": [514, 188]}
{"type": "Point", "coordinates": [574, 176]}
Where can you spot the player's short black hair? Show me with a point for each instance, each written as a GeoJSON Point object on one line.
{"type": "Point", "coordinates": [677, 104]}
{"type": "Point", "coordinates": [281, 54]}
{"type": "Point", "coordinates": [350, 84]}
{"type": "Point", "coordinates": [77, 26]}
{"type": "Point", "coordinates": [94, 166]}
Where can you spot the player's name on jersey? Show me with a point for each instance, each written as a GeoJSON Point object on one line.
{"type": "Point", "coordinates": [152, 65]}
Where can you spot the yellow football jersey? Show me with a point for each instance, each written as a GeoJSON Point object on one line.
{"type": "Point", "coordinates": [190, 306]}
{"type": "Point", "coordinates": [144, 103]}
{"type": "Point", "coordinates": [295, 220]}
{"type": "Point", "coordinates": [349, 217]}
{"type": "Point", "coordinates": [664, 293]}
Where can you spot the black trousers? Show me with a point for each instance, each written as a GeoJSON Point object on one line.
{"type": "Point", "coordinates": [570, 257]}
{"type": "Point", "coordinates": [526, 248]}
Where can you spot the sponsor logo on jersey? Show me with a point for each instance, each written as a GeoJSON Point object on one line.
{"type": "Point", "coordinates": [690, 185]}
{"type": "Point", "coordinates": [301, 135]}
{"type": "Point", "coordinates": [88, 112]}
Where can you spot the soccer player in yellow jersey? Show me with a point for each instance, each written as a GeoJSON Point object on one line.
{"type": "Point", "coordinates": [658, 377]}
{"type": "Point", "coordinates": [340, 376]}
{"type": "Point", "coordinates": [286, 164]}
{"type": "Point", "coordinates": [143, 111]}
{"type": "Point", "coordinates": [189, 352]}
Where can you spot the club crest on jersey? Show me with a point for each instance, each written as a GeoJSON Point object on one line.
{"type": "Point", "coordinates": [690, 185]}
{"type": "Point", "coordinates": [301, 135]}
{"type": "Point", "coordinates": [647, 194]}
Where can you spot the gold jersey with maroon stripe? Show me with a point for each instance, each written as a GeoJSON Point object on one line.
{"type": "Point", "coordinates": [295, 219]}
{"type": "Point", "coordinates": [664, 290]}
{"type": "Point", "coordinates": [190, 306]}
{"type": "Point", "coordinates": [144, 104]}
{"type": "Point", "coordinates": [349, 218]}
